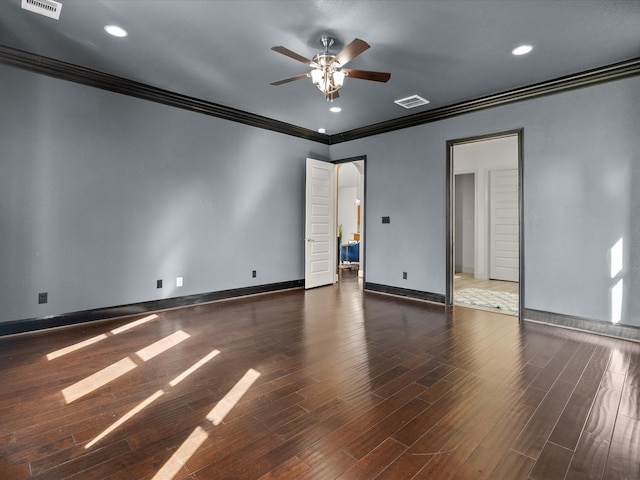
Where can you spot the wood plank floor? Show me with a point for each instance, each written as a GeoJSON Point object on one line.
{"type": "Point", "coordinates": [324, 384]}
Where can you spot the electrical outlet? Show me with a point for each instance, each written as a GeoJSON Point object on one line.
{"type": "Point", "coordinates": [43, 297]}
{"type": "Point", "coordinates": [386, 219]}
{"type": "Point", "coordinates": [254, 273]}
{"type": "Point", "coordinates": [404, 275]}
{"type": "Point", "coordinates": [179, 281]}
{"type": "Point", "coordinates": [158, 283]}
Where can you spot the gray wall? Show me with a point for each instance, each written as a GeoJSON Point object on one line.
{"type": "Point", "coordinates": [103, 194]}
{"type": "Point", "coordinates": [581, 177]}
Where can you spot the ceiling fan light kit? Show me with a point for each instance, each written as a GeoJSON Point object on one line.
{"type": "Point", "coordinates": [327, 74]}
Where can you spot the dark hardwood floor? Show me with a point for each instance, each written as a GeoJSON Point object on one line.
{"type": "Point", "coordinates": [324, 384]}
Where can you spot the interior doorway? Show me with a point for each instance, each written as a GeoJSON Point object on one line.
{"type": "Point", "coordinates": [350, 177]}
{"type": "Point", "coordinates": [484, 222]}
{"type": "Point", "coordinates": [320, 232]}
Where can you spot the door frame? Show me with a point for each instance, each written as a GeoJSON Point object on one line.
{"type": "Point", "coordinates": [363, 211]}
{"type": "Point", "coordinates": [450, 178]}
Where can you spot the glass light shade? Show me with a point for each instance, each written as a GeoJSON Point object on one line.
{"type": "Point", "coordinates": [338, 79]}
{"type": "Point", "coordinates": [316, 76]}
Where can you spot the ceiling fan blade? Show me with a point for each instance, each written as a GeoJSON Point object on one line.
{"type": "Point", "coordinates": [351, 51]}
{"type": "Point", "coordinates": [294, 55]}
{"type": "Point", "coordinates": [290, 79]}
{"type": "Point", "coordinates": [367, 75]}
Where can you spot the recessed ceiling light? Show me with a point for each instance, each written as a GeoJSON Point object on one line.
{"type": "Point", "coordinates": [522, 50]}
{"type": "Point", "coordinates": [116, 31]}
{"type": "Point", "coordinates": [335, 109]}
{"type": "Point", "coordinates": [322, 130]}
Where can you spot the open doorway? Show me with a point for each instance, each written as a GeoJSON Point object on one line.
{"type": "Point", "coordinates": [350, 215]}
{"type": "Point", "coordinates": [334, 220]}
{"type": "Point", "coordinates": [484, 267]}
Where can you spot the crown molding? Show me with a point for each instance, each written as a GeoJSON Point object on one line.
{"type": "Point", "coordinates": [85, 76]}
{"type": "Point", "coordinates": [587, 78]}
{"type": "Point", "coordinates": [93, 78]}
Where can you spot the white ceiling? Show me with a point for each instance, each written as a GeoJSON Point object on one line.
{"type": "Point", "coordinates": [447, 51]}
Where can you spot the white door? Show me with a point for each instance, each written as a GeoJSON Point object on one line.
{"type": "Point", "coordinates": [320, 224]}
{"type": "Point", "coordinates": [504, 230]}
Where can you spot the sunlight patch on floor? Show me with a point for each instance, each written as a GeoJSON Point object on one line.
{"type": "Point", "coordinates": [98, 379]}
{"type": "Point", "coordinates": [76, 346]}
{"type": "Point", "coordinates": [162, 345]}
{"type": "Point", "coordinates": [184, 453]}
{"type": "Point", "coordinates": [193, 368]}
{"type": "Point", "coordinates": [98, 338]}
{"type": "Point", "coordinates": [130, 414]}
{"type": "Point", "coordinates": [224, 406]}
{"type": "Point", "coordinates": [115, 370]}
{"type": "Point", "coordinates": [199, 435]}
{"type": "Point", "coordinates": [149, 400]}
{"type": "Point", "coordinates": [134, 324]}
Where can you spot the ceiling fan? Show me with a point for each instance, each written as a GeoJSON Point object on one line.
{"type": "Point", "coordinates": [328, 73]}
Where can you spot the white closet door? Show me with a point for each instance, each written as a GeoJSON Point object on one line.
{"type": "Point", "coordinates": [504, 230]}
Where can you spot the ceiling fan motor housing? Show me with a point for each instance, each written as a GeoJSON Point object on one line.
{"type": "Point", "coordinates": [324, 59]}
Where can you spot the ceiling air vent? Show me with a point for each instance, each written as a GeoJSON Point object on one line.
{"type": "Point", "coordinates": [411, 102]}
{"type": "Point", "coordinates": [48, 8]}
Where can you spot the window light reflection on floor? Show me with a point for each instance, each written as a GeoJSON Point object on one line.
{"type": "Point", "coordinates": [98, 379]}
{"type": "Point", "coordinates": [77, 346]}
{"type": "Point", "coordinates": [98, 338]}
{"type": "Point", "coordinates": [184, 453]}
{"type": "Point", "coordinates": [162, 345]}
{"type": "Point", "coordinates": [119, 368]}
{"type": "Point", "coordinates": [224, 406]}
{"type": "Point", "coordinates": [152, 398]}
{"type": "Point", "coordinates": [199, 434]}
{"type": "Point", "coordinates": [130, 414]}
{"type": "Point", "coordinates": [193, 368]}
{"type": "Point", "coordinates": [134, 324]}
